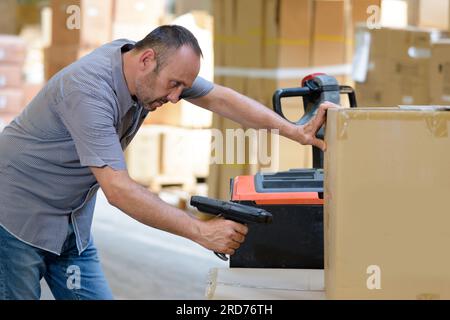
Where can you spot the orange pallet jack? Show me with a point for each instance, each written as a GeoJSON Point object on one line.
{"type": "Point", "coordinates": [294, 239]}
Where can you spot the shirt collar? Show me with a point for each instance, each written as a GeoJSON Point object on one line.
{"type": "Point", "coordinates": [120, 85]}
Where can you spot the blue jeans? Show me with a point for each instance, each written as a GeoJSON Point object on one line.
{"type": "Point", "coordinates": [70, 276]}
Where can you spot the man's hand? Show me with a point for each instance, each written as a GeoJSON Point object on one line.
{"type": "Point", "coordinates": [307, 133]}
{"type": "Point", "coordinates": [220, 235]}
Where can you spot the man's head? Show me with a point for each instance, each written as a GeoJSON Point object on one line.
{"type": "Point", "coordinates": [164, 63]}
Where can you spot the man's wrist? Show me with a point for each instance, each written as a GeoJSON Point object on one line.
{"type": "Point", "coordinates": [298, 133]}
{"type": "Point", "coordinates": [195, 229]}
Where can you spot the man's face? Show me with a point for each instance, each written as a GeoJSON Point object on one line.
{"type": "Point", "coordinates": [179, 72]}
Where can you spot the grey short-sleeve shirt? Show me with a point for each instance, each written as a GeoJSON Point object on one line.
{"type": "Point", "coordinates": [84, 116]}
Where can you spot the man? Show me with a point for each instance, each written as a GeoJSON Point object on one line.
{"type": "Point", "coordinates": [68, 142]}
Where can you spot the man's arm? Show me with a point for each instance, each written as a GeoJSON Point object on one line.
{"type": "Point", "coordinates": [220, 235]}
{"type": "Point", "coordinates": [252, 114]}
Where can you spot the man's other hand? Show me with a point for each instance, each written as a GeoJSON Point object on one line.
{"type": "Point", "coordinates": [307, 133]}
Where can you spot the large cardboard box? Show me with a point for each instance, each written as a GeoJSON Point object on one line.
{"type": "Point", "coordinates": [288, 27]}
{"type": "Point", "coordinates": [429, 13]}
{"type": "Point", "coordinates": [58, 57]}
{"type": "Point", "coordinates": [8, 22]}
{"type": "Point", "coordinates": [86, 23]}
{"type": "Point", "coordinates": [181, 114]}
{"type": "Point", "coordinates": [270, 34]}
{"type": "Point", "coordinates": [440, 73]}
{"type": "Point", "coordinates": [185, 152]}
{"type": "Point", "coordinates": [143, 155]}
{"type": "Point", "coordinates": [136, 18]}
{"type": "Point", "coordinates": [396, 67]}
{"type": "Point", "coordinates": [361, 12]}
{"type": "Point", "coordinates": [186, 6]}
{"type": "Point", "coordinates": [387, 181]}
{"type": "Point", "coordinates": [332, 31]}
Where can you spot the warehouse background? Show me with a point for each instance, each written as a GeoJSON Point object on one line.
{"type": "Point", "coordinates": [252, 46]}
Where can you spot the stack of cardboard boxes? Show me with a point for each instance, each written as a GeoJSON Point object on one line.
{"type": "Point", "coordinates": [173, 146]}
{"type": "Point", "coordinates": [397, 66]}
{"type": "Point", "coordinates": [77, 27]}
{"type": "Point", "coordinates": [12, 57]}
{"type": "Point", "coordinates": [8, 22]}
{"type": "Point", "coordinates": [429, 13]}
{"type": "Point", "coordinates": [80, 26]}
{"type": "Point", "coordinates": [162, 155]}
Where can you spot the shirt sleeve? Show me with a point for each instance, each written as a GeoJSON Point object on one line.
{"type": "Point", "coordinates": [90, 122]}
{"type": "Point", "coordinates": [201, 87]}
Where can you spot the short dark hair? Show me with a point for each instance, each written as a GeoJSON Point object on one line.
{"type": "Point", "coordinates": [167, 38]}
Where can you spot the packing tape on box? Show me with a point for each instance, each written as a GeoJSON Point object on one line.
{"type": "Point", "coordinates": [281, 73]}
{"type": "Point", "coordinates": [435, 120]}
{"type": "Point", "coordinates": [332, 38]}
{"type": "Point", "coordinates": [232, 39]}
{"type": "Point", "coordinates": [287, 42]}
{"type": "Point", "coordinates": [437, 125]}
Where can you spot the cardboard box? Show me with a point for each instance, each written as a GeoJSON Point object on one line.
{"type": "Point", "coordinates": [57, 58]}
{"type": "Point", "coordinates": [86, 23]}
{"type": "Point", "coordinates": [10, 76]}
{"type": "Point", "coordinates": [360, 8]}
{"type": "Point", "coordinates": [8, 22]}
{"type": "Point", "coordinates": [434, 14]}
{"type": "Point", "coordinates": [288, 33]}
{"type": "Point", "coordinates": [397, 66]}
{"type": "Point", "coordinates": [386, 207]}
{"type": "Point", "coordinates": [370, 94]}
{"type": "Point", "coordinates": [12, 50]}
{"type": "Point", "coordinates": [332, 31]}
{"type": "Point", "coordinates": [11, 101]}
{"type": "Point", "coordinates": [143, 155]}
{"type": "Point", "coordinates": [270, 34]}
{"type": "Point", "coordinates": [186, 6]}
{"type": "Point", "coordinates": [440, 73]}
{"type": "Point", "coordinates": [185, 152]}
{"type": "Point", "coordinates": [137, 18]}
{"type": "Point", "coordinates": [181, 114]}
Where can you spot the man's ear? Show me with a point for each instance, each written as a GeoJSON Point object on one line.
{"type": "Point", "coordinates": [147, 59]}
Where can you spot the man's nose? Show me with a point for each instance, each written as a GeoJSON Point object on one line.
{"type": "Point", "coordinates": [174, 96]}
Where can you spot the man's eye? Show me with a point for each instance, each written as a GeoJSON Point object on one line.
{"type": "Point", "coordinates": [174, 84]}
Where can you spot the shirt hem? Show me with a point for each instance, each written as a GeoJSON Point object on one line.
{"type": "Point", "coordinates": [28, 243]}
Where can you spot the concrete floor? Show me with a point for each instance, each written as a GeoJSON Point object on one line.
{"type": "Point", "coordinates": [144, 263]}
